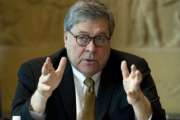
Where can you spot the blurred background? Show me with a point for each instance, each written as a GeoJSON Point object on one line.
{"type": "Point", "coordinates": [148, 28]}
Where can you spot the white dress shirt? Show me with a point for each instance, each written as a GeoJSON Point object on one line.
{"type": "Point", "coordinates": [80, 88]}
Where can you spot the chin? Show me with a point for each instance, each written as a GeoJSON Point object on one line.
{"type": "Point", "coordinates": [89, 70]}
{"type": "Point", "coordinates": [89, 73]}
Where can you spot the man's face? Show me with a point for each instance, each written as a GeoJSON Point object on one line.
{"type": "Point", "coordinates": [88, 59]}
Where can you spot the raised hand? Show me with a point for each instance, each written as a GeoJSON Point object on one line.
{"type": "Point", "coordinates": [135, 97]}
{"type": "Point", "coordinates": [50, 78]}
{"type": "Point", "coordinates": [131, 82]}
{"type": "Point", "coordinates": [48, 82]}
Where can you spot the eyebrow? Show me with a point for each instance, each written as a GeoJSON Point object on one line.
{"type": "Point", "coordinates": [101, 33]}
{"type": "Point", "coordinates": [83, 32]}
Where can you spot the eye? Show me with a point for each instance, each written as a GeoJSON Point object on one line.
{"type": "Point", "coordinates": [101, 38]}
{"type": "Point", "coordinates": [83, 37]}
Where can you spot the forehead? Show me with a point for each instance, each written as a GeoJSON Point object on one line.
{"type": "Point", "coordinates": [94, 26]}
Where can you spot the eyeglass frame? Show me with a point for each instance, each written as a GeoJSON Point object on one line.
{"type": "Point", "coordinates": [90, 39]}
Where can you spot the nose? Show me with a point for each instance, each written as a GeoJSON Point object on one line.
{"type": "Point", "coordinates": [91, 46]}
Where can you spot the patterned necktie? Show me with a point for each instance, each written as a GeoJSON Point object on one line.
{"type": "Point", "coordinates": [88, 110]}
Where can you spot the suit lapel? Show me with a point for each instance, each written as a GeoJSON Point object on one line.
{"type": "Point", "coordinates": [67, 93]}
{"type": "Point", "coordinates": [66, 87]}
{"type": "Point", "coordinates": [105, 91]}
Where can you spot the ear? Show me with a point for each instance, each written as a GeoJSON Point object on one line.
{"type": "Point", "coordinates": [65, 38]}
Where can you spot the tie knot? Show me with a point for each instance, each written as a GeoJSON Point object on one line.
{"type": "Point", "coordinates": [89, 82]}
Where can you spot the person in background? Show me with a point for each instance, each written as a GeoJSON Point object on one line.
{"type": "Point", "coordinates": [87, 79]}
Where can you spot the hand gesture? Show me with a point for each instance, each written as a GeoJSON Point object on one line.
{"type": "Point", "coordinates": [50, 78]}
{"type": "Point", "coordinates": [131, 82]}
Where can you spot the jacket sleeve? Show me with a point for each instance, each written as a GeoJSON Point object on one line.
{"type": "Point", "coordinates": [149, 89]}
{"type": "Point", "coordinates": [26, 86]}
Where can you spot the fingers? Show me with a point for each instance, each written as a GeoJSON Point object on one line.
{"type": "Point", "coordinates": [136, 74]}
{"type": "Point", "coordinates": [61, 67]}
{"type": "Point", "coordinates": [133, 68]}
{"type": "Point", "coordinates": [47, 66]}
{"type": "Point", "coordinates": [124, 69]}
{"type": "Point", "coordinates": [133, 71]}
{"type": "Point", "coordinates": [50, 78]}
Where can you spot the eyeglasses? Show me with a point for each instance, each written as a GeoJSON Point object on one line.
{"type": "Point", "coordinates": [83, 40]}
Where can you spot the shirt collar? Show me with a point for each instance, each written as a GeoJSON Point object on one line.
{"type": "Point", "coordinates": [81, 77]}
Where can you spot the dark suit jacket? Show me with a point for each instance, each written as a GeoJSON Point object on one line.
{"type": "Point", "coordinates": [111, 101]}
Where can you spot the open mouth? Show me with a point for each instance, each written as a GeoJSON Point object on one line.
{"type": "Point", "coordinates": [90, 61]}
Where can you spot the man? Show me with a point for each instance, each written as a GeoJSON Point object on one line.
{"type": "Point", "coordinates": [54, 88]}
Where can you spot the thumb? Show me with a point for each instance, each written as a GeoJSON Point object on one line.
{"type": "Point", "coordinates": [124, 69]}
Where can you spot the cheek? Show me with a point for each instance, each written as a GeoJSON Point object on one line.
{"type": "Point", "coordinates": [74, 52]}
{"type": "Point", "coordinates": [103, 55]}
{"type": "Point", "coordinates": [104, 52]}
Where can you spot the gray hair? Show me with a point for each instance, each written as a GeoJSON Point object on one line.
{"type": "Point", "coordinates": [83, 10]}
